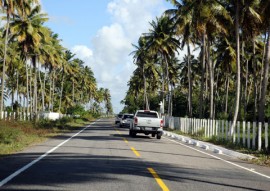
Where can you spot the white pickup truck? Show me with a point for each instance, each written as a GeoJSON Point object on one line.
{"type": "Point", "coordinates": [147, 122]}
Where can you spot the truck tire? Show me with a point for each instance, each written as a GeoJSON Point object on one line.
{"type": "Point", "coordinates": [153, 134]}
{"type": "Point", "coordinates": [158, 136]}
{"type": "Point", "coordinates": [132, 133]}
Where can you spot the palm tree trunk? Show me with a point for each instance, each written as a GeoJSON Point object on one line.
{"type": "Point", "coordinates": [202, 76]}
{"type": "Point", "coordinates": [41, 86]}
{"type": "Point", "coordinates": [31, 92]}
{"type": "Point", "coordinates": [163, 92]}
{"type": "Point", "coordinates": [53, 86]}
{"type": "Point", "coordinates": [35, 86]}
{"type": "Point", "coordinates": [27, 90]}
{"type": "Point", "coordinates": [50, 94]}
{"type": "Point", "coordinates": [211, 80]}
{"type": "Point", "coordinates": [262, 68]}
{"type": "Point", "coordinates": [189, 83]}
{"type": "Point", "coordinates": [61, 93]}
{"type": "Point", "coordinates": [238, 83]}
{"type": "Point", "coordinates": [17, 85]}
{"type": "Point", "coordinates": [265, 79]}
{"type": "Point", "coordinates": [4, 67]}
{"type": "Point", "coordinates": [245, 94]}
{"type": "Point", "coordinates": [227, 94]}
{"type": "Point", "coordinates": [168, 82]}
{"type": "Point", "coordinates": [255, 79]}
{"type": "Point", "coordinates": [44, 90]}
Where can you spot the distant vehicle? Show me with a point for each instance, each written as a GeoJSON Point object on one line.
{"type": "Point", "coordinates": [126, 120]}
{"type": "Point", "coordinates": [147, 122]}
{"type": "Point", "coordinates": [118, 118]}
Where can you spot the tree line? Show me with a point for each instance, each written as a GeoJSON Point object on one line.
{"type": "Point", "coordinates": [224, 70]}
{"type": "Point", "coordinates": [38, 73]}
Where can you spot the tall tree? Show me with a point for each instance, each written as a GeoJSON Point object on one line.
{"type": "Point", "coordinates": [161, 41]}
{"type": "Point", "coordinates": [265, 5]}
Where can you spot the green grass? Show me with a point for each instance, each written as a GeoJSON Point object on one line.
{"type": "Point", "coordinates": [17, 135]}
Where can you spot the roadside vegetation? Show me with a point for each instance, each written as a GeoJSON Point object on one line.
{"type": "Point", "coordinates": [17, 135]}
{"type": "Point", "coordinates": [39, 74]}
{"type": "Point", "coordinates": [222, 71]}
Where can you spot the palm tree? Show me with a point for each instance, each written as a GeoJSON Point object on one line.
{"type": "Point", "coordinates": [65, 70]}
{"type": "Point", "coordinates": [8, 7]}
{"type": "Point", "coordinates": [162, 42]}
{"type": "Point", "coordinates": [107, 99]}
{"type": "Point", "coordinates": [54, 57]}
{"type": "Point", "coordinates": [28, 29]}
{"type": "Point", "coordinates": [265, 5]}
{"type": "Point", "coordinates": [146, 69]}
{"type": "Point", "coordinates": [140, 59]}
{"type": "Point", "coordinates": [182, 20]}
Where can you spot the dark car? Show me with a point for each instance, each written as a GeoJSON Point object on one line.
{"type": "Point", "coordinates": [126, 120]}
{"type": "Point", "coordinates": [118, 118]}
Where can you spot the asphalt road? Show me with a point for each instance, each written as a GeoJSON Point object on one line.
{"type": "Point", "coordinates": [103, 157]}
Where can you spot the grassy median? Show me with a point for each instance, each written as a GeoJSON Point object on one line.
{"type": "Point", "coordinates": [17, 135]}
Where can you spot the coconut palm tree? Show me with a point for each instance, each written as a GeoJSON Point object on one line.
{"type": "Point", "coordinates": [8, 7]}
{"type": "Point", "coordinates": [265, 10]}
{"type": "Point", "coordinates": [161, 42]}
{"type": "Point", "coordinates": [107, 100]}
{"type": "Point", "coordinates": [140, 59]}
{"type": "Point", "coordinates": [182, 20]}
{"type": "Point", "coordinates": [28, 29]}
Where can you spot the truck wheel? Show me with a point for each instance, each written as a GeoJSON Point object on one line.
{"type": "Point", "coordinates": [153, 134]}
{"type": "Point", "coordinates": [158, 136]}
{"type": "Point", "coordinates": [130, 133]}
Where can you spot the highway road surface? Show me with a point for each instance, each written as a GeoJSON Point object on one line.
{"type": "Point", "coordinates": [102, 156]}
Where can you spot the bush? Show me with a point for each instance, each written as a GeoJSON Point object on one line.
{"type": "Point", "coordinates": [45, 123]}
{"type": "Point", "coordinates": [76, 110]}
{"type": "Point", "coordinates": [9, 135]}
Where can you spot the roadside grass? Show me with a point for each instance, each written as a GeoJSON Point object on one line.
{"type": "Point", "coordinates": [262, 157]}
{"type": "Point", "coordinates": [17, 135]}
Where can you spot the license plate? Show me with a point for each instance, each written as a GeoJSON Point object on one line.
{"type": "Point", "coordinates": [148, 128]}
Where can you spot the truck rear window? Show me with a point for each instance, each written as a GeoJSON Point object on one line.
{"type": "Point", "coordinates": [147, 114]}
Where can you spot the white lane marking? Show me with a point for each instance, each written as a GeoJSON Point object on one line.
{"type": "Point", "coordinates": [13, 175]}
{"type": "Point", "coordinates": [234, 164]}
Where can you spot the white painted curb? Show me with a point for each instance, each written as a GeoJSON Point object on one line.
{"type": "Point", "coordinates": [208, 146]}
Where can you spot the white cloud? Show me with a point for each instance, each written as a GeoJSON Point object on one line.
{"type": "Point", "coordinates": [82, 52]}
{"type": "Point", "coordinates": [109, 57]}
{"type": "Point", "coordinates": [111, 45]}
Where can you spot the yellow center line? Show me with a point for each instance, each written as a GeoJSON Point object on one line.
{"type": "Point", "coordinates": [117, 131]}
{"type": "Point", "coordinates": [135, 152]}
{"type": "Point", "coordinates": [126, 141]}
{"type": "Point", "coordinates": [158, 179]}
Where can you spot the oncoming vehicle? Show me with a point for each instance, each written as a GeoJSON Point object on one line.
{"type": "Point", "coordinates": [118, 118]}
{"type": "Point", "coordinates": [126, 120]}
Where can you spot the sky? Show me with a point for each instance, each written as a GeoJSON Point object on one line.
{"type": "Point", "coordinates": [101, 33]}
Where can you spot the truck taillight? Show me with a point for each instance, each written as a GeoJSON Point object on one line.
{"type": "Point", "coordinates": [135, 120]}
{"type": "Point", "coordinates": [161, 123]}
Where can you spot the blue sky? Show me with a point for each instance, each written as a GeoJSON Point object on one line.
{"type": "Point", "coordinates": [76, 21]}
{"type": "Point", "coordinates": [100, 32]}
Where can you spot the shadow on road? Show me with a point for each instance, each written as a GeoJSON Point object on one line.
{"type": "Point", "coordinates": [61, 168]}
